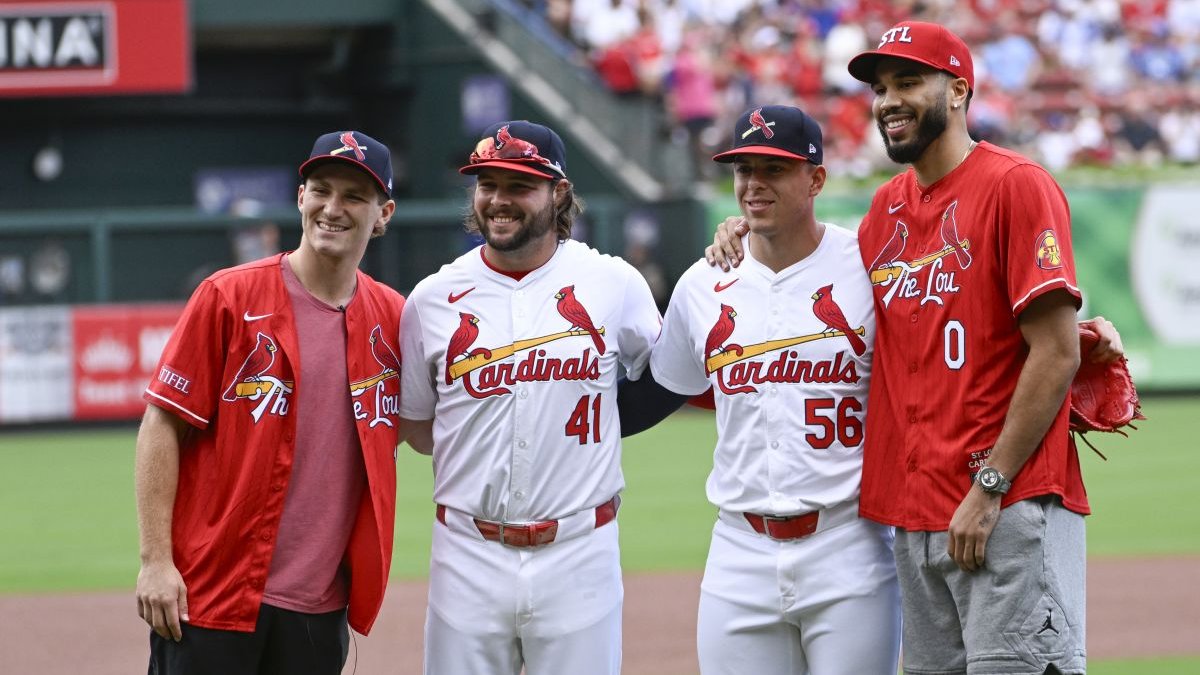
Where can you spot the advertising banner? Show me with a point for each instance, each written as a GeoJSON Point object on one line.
{"type": "Point", "coordinates": [1135, 252]}
{"type": "Point", "coordinates": [36, 381]}
{"type": "Point", "coordinates": [94, 47]}
{"type": "Point", "coordinates": [116, 350]}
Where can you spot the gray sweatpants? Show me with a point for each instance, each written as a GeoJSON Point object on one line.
{"type": "Point", "coordinates": [1022, 612]}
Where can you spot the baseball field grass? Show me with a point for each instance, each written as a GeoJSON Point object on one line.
{"type": "Point", "coordinates": [71, 522]}
{"type": "Point", "coordinates": [70, 519]}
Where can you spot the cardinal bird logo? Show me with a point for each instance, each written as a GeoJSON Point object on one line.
{"type": "Point", "coordinates": [511, 147]}
{"type": "Point", "coordinates": [571, 310]}
{"type": "Point", "coordinates": [464, 336]}
{"type": "Point", "coordinates": [758, 122]}
{"type": "Point", "coordinates": [349, 142]}
{"type": "Point", "coordinates": [895, 246]}
{"type": "Point", "coordinates": [950, 236]}
{"type": "Point", "coordinates": [260, 360]}
{"type": "Point", "coordinates": [503, 137]}
{"type": "Point", "coordinates": [828, 311]}
{"type": "Point", "coordinates": [720, 333]}
{"type": "Point", "coordinates": [382, 352]}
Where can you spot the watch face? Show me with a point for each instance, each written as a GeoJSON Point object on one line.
{"type": "Point", "coordinates": [989, 478]}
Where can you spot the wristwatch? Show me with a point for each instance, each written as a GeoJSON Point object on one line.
{"type": "Point", "coordinates": [992, 481]}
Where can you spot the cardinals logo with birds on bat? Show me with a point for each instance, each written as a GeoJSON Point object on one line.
{"type": "Point", "coordinates": [488, 372]}
{"type": "Point", "coordinates": [737, 370]}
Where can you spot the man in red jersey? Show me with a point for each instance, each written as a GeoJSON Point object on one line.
{"type": "Point", "coordinates": [265, 472]}
{"type": "Point", "coordinates": [966, 450]}
{"type": "Point", "coordinates": [969, 253]}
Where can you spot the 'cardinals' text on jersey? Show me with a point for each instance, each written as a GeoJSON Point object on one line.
{"type": "Point", "coordinates": [520, 379]}
{"type": "Point", "coordinates": [789, 356]}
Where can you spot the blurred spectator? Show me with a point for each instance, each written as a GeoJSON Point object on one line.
{"type": "Point", "coordinates": [990, 117]}
{"type": "Point", "coordinates": [1010, 58]}
{"type": "Point", "coordinates": [804, 67]}
{"type": "Point", "coordinates": [691, 97]}
{"type": "Point", "coordinates": [641, 229]}
{"type": "Point", "coordinates": [1092, 138]}
{"type": "Point", "coordinates": [616, 68]}
{"type": "Point", "coordinates": [1156, 57]}
{"type": "Point", "coordinates": [1104, 81]}
{"type": "Point", "coordinates": [1139, 140]}
{"type": "Point", "coordinates": [1109, 68]}
{"type": "Point", "coordinates": [558, 15]}
{"type": "Point", "coordinates": [670, 17]}
{"type": "Point", "coordinates": [843, 43]}
{"type": "Point", "coordinates": [1056, 144]}
{"type": "Point", "coordinates": [1183, 17]}
{"type": "Point", "coordinates": [646, 53]}
{"type": "Point", "coordinates": [1181, 128]}
{"type": "Point", "coordinates": [600, 24]}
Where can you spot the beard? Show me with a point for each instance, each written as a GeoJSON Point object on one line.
{"type": "Point", "coordinates": [533, 227]}
{"type": "Point", "coordinates": [929, 128]}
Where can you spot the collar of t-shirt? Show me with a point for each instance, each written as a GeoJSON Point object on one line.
{"type": "Point", "coordinates": [296, 287]}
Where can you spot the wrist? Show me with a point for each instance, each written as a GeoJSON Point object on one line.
{"type": "Point", "coordinates": [992, 481]}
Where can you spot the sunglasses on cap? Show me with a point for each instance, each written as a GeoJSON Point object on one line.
{"type": "Point", "coordinates": [513, 150]}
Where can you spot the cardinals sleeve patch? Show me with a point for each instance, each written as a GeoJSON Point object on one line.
{"type": "Point", "coordinates": [1046, 251]}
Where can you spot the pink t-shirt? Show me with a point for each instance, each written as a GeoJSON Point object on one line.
{"type": "Point", "coordinates": [328, 474]}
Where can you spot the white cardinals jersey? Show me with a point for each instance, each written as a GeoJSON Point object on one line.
{"type": "Point", "coordinates": [789, 358]}
{"type": "Point", "coordinates": [520, 379]}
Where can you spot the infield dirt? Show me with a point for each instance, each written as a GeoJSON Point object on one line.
{"type": "Point", "coordinates": [1142, 607]}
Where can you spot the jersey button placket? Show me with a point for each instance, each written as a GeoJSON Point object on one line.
{"type": "Point", "coordinates": [521, 461]}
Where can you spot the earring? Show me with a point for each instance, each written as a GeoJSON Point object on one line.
{"type": "Point", "coordinates": [955, 106]}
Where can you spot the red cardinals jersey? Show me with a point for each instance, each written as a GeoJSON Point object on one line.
{"type": "Point", "coordinates": [952, 267]}
{"type": "Point", "coordinates": [229, 370]}
{"type": "Point", "coordinates": [520, 378]}
{"type": "Point", "coordinates": [788, 355]}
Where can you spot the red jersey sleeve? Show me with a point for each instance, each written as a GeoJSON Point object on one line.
{"type": "Point", "coordinates": [1035, 231]}
{"type": "Point", "coordinates": [188, 379]}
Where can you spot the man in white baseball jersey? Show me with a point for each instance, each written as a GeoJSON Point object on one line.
{"type": "Point", "coordinates": [795, 581]}
{"type": "Point", "coordinates": [510, 361]}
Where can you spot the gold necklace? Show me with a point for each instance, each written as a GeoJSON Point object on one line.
{"type": "Point", "coordinates": [969, 149]}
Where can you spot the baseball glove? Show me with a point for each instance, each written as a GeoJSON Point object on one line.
{"type": "Point", "coordinates": [1103, 397]}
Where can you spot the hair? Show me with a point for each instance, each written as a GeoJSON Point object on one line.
{"type": "Point", "coordinates": [564, 214]}
{"type": "Point", "coordinates": [383, 196]}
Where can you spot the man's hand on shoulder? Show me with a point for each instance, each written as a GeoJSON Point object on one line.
{"type": "Point", "coordinates": [726, 249]}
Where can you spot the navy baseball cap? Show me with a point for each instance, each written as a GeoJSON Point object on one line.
{"type": "Point", "coordinates": [775, 130]}
{"type": "Point", "coordinates": [927, 43]}
{"type": "Point", "coordinates": [520, 146]}
{"type": "Point", "coordinates": [356, 149]}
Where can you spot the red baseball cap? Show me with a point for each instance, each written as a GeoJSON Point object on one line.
{"type": "Point", "coordinates": [927, 43]}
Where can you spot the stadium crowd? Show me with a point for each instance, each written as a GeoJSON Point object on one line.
{"type": "Point", "coordinates": [1069, 82]}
